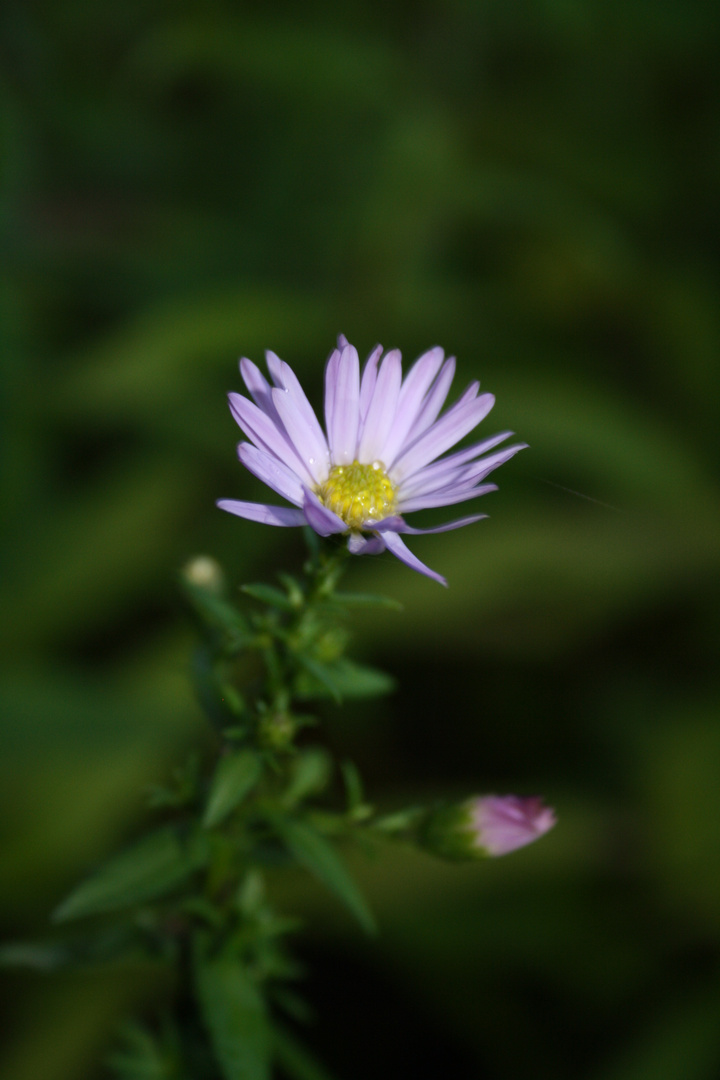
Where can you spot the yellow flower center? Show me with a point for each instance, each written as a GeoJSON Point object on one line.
{"type": "Point", "coordinates": [358, 493]}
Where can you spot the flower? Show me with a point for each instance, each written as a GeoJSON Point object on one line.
{"type": "Point", "coordinates": [486, 825]}
{"type": "Point", "coordinates": [381, 457]}
{"type": "Point", "coordinates": [503, 823]}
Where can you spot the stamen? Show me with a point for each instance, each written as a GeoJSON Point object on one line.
{"type": "Point", "coordinates": [359, 494]}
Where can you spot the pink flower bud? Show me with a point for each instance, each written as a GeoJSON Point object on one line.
{"type": "Point", "coordinates": [485, 825]}
{"type": "Point", "coordinates": [502, 823]}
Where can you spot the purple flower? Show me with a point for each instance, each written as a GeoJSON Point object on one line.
{"type": "Point", "coordinates": [485, 825]}
{"type": "Point", "coordinates": [381, 457]}
{"type": "Point", "coordinates": [502, 823]}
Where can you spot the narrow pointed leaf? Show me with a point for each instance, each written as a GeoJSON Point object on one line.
{"type": "Point", "coordinates": [234, 1013]}
{"type": "Point", "coordinates": [77, 952]}
{"type": "Point", "coordinates": [142, 1056]}
{"type": "Point", "coordinates": [353, 785]}
{"type": "Point", "coordinates": [268, 594]}
{"type": "Point", "coordinates": [310, 775]}
{"type": "Point", "coordinates": [235, 776]}
{"type": "Point", "coordinates": [361, 681]}
{"type": "Point", "coordinates": [343, 679]}
{"type": "Point", "coordinates": [153, 867]}
{"type": "Point", "coordinates": [219, 611]}
{"type": "Point", "coordinates": [321, 682]}
{"type": "Point", "coordinates": [315, 853]}
{"type": "Point", "coordinates": [46, 956]}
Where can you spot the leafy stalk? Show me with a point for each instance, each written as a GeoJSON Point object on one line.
{"type": "Point", "coordinates": [192, 890]}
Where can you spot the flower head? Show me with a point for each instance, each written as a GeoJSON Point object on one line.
{"type": "Point", "coordinates": [486, 825]}
{"type": "Point", "coordinates": [381, 456]}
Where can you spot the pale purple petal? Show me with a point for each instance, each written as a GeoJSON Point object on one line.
{"type": "Point", "coordinates": [331, 369]}
{"type": "Point", "coordinates": [310, 446]}
{"type": "Point", "coordinates": [342, 341]}
{"type": "Point", "coordinates": [426, 482]}
{"type": "Point", "coordinates": [484, 466]}
{"type": "Point", "coordinates": [267, 515]}
{"type": "Point", "coordinates": [275, 367]}
{"type": "Point", "coordinates": [301, 405]}
{"type": "Point", "coordinates": [394, 543]}
{"type": "Point", "coordinates": [444, 498]}
{"type": "Point", "coordinates": [420, 484]}
{"type": "Point", "coordinates": [447, 464]}
{"type": "Point", "coordinates": [434, 400]}
{"type": "Point", "coordinates": [365, 545]}
{"type": "Point", "coordinates": [412, 393]}
{"type": "Point", "coordinates": [435, 478]}
{"type": "Point", "coordinates": [322, 520]}
{"type": "Point", "coordinates": [504, 823]}
{"type": "Point", "coordinates": [394, 523]}
{"type": "Point", "coordinates": [258, 386]}
{"type": "Point", "coordinates": [342, 421]}
{"type": "Point", "coordinates": [272, 472]}
{"type": "Point", "coordinates": [259, 427]}
{"type": "Point", "coordinates": [397, 524]}
{"type": "Point", "coordinates": [369, 378]}
{"type": "Point", "coordinates": [476, 449]}
{"type": "Point", "coordinates": [448, 430]}
{"type": "Point", "coordinates": [447, 527]}
{"type": "Point", "coordinates": [381, 412]}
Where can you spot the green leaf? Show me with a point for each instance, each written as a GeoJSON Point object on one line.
{"type": "Point", "coordinates": [234, 1013]}
{"type": "Point", "coordinates": [154, 866]}
{"type": "Point", "coordinates": [220, 612]}
{"type": "Point", "coordinates": [310, 775]}
{"type": "Point", "coordinates": [47, 956]}
{"type": "Point", "coordinates": [222, 703]}
{"type": "Point", "coordinates": [361, 681]}
{"type": "Point", "coordinates": [268, 594]}
{"type": "Point", "coordinates": [141, 1056]}
{"type": "Point", "coordinates": [353, 785]}
{"type": "Point", "coordinates": [234, 777]}
{"type": "Point", "coordinates": [367, 600]}
{"type": "Point", "coordinates": [320, 858]}
{"type": "Point", "coordinates": [295, 1059]}
{"type": "Point", "coordinates": [294, 590]}
{"type": "Point", "coordinates": [86, 951]}
{"type": "Point", "coordinates": [343, 679]}
{"type": "Point", "coordinates": [321, 681]}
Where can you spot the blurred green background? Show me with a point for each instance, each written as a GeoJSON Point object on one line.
{"type": "Point", "coordinates": [533, 185]}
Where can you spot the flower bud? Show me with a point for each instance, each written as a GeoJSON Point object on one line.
{"type": "Point", "coordinates": [486, 825]}
{"type": "Point", "coordinates": [276, 730]}
{"type": "Point", "coordinates": [203, 572]}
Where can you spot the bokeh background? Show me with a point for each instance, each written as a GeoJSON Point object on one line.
{"type": "Point", "coordinates": [532, 184]}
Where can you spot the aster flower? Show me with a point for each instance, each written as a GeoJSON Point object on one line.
{"type": "Point", "coordinates": [486, 825]}
{"type": "Point", "coordinates": [381, 457]}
